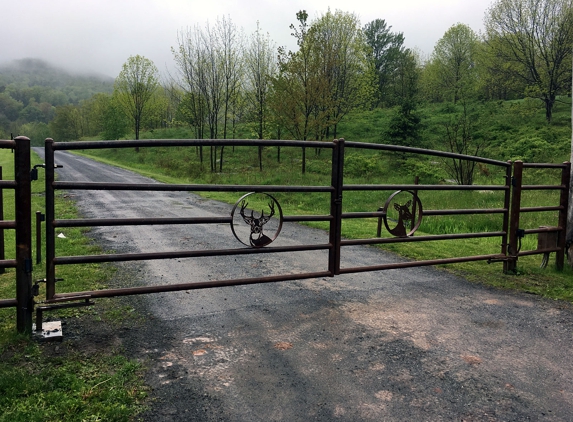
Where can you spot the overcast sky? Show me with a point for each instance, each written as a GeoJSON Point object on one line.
{"type": "Point", "coordinates": [99, 35]}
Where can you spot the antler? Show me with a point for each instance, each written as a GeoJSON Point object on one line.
{"type": "Point", "coordinates": [248, 220]}
{"type": "Point", "coordinates": [264, 219]}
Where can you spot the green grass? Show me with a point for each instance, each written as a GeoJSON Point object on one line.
{"type": "Point", "coordinates": [39, 384]}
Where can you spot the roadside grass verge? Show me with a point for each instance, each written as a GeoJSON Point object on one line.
{"type": "Point", "coordinates": [63, 381]}
{"type": "Point", "coordinates": [182, 165]}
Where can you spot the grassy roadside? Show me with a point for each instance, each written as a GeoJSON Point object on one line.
{"type": "Point", "coordinates": [63, 381]}
{"type": "Point", "coordinates": [241, 167]}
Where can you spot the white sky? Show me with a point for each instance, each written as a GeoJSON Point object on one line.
{"type": "Point", "coordinates": [99, 35]}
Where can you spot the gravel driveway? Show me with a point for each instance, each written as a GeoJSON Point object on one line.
{"type": "Point", "coordinates": [399, 345]}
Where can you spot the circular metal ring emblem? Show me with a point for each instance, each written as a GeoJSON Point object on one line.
{"type": "Point", "coordinates": [253, 228]}
{"type": "Point", "coordinates": [402, 213]}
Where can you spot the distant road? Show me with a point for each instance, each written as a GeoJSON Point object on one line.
{"type": "Point", "coordinates": [399, 345]}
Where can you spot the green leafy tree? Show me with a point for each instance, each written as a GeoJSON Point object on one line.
{"type": "Point", "coordinates": [452, 69]}
{"type": "Point", "coordinates": [536, 38]}
{"type": "Point", "coordinates": [387, 49]}
{"type": "Point", "coordinates": [134, 88]}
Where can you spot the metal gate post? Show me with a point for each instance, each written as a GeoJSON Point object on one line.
{"type": "Point", "coordinates": [516, 182]}
{"type": "Point", "coordinates": [564, 204]}
{"type": "Point", "coordinates": [50, 216]}
{"type": "Point", "coordinates": [506, 206]}
{"type": "Point", "coordinates": [23, 200]}
{"type": "Point", "coordinates": [336, 206]}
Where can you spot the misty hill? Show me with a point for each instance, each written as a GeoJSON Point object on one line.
{"type": "Point", "coordinates": [31, 89]}
{"type": "Point", "coordinates": [31, 72]}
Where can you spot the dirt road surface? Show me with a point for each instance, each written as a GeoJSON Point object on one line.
{"type": "Point", "coordinates": [398, 345]}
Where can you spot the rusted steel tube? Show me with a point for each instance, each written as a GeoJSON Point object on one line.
{"type": "Point", "coordinates": [564, 206]}
{"type": "Point", "coordinates": [398, 148]}
{"type": "Point", "coordinates": [143, 143]}
{"type": "Point", "coordinates": [2, 227]}
{"type": "Point", "coordinates": [544, 165]}
{"type": "Point", "coordinates": [423, 187]}
{"type": "Point", "coordinates": [465, 211]}
{"type": "Point", "coordinates": [8, 263]}
{"type": "Point", "coordinates": [373, 214]}
{"type": "Point", "coordinates": [517, 180]}
{"type": "Point", "coordinates": [7, 184]}
{"type": "Point", "coordinates": [90, 259]}
{"type": "Point", "coordinates": [539, 209]}
{"type": "Point", "coordinates": [296, 218]}
{"type": "Point", "coordinates": [7, 144]}
{"type": "Point", "coordinates": [159, 187]}
{"type": "Point", "coordinates": [105, 222]}
{"type": "Point", "coordinates": [8, 303]}
{"type": "Point", "coordinates": [128, 291]}
{"type": "Point", "coordinates": [543, 230]}
{"type": "Point", "coordinates": [377, 240]}
{"type": "Point", "coordinates": [50, 217]}
{"type": "Point", "coordinates": [539, 251]}
{"type": "Point", "coordinates": [409, 264]}
{"type": "Point", "coordinates": [543, 187]}
{"type": "Point", "coordinates": [23, 199]}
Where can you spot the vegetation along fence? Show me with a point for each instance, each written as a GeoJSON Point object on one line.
{"type": "Point", "coordinates": [401, 218]}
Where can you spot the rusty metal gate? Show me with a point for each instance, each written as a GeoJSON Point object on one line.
{"type": "Point", "coordinates": [401, 216]}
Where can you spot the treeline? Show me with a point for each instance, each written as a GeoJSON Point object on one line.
{"type": "Point", "coordinates": [225, 80]}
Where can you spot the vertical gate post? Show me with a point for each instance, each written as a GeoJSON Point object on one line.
{"type": "Point", "coordinates": [564, 204]}
{"type": "Point", "coordinates": [516, 182]}
{"type": "Point", "coordinates": [2, 245]}
{"type": "Point", "coordinates": [336, 206]}
{"type": "Point", "coordinates": [23, 200]}
{"type": "Point", "coordinates": [50, 236]}
{"type": "Point", "coordinates": [506, 205]}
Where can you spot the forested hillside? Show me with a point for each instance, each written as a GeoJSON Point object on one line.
{"type": "Point", "coordinates": [31, 90]}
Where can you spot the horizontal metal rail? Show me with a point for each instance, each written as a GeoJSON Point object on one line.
{"type": "Point", "coordinates": [409, 264]}
{"type": "Point", "coordinates": [545, 165]}
{"type": "Point", "coordinates": [424, 187]}
{"type": "Point", "coordinates": [128, 291]}
{"type": "Point", "coordinates": [538, 251]}
{"type": "Point", "coordinates": [7, 184]}
{"type": "Point", "coordinates": [158, 187]}
{"type": "Point", "coordinates": [398, 148]}
{"type": "Point", "coordinates": [543, 187]}
{"type": "Point", "coordinates": [543, 230]}
{"type": "Point", "coordinates": [90, 259]}
{"type": "Point", "coordinates": [539, 209]}
{"type": "Point", "coordinates": [7, 224]}
{"type": "Point", "coordinates": [143, 143]}
{"type": "Point", "coordinates": [107, 222]}
{"type": "Point", "coordinates": [7, 144]}
{"type": "Point", "coordinates": [8, 263]}
{"type": "Point", "coordinates": [8, 303]}
{"type": "Point", "coordinates": [381, 240]}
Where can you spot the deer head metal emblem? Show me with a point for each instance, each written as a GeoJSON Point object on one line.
{"type": "Point", "coordinates": [257, 237]}
{"type": "Point", "coordinates": [409, 214]}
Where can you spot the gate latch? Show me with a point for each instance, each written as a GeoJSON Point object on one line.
{"type": "Point", "coordinates": [34, 171]}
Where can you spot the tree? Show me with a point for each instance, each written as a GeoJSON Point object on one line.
{"type": "Point", "coordinates": [206, 61]}
{"type": "Point", "coordinates": [134, 87]}
{"type": "Point", "coordinates": [260, 69]}
{"type": "Point", "coordinates": [452, 63]}
{"type": "Point", "coordinates": [387, 48]}
{"type": "Point", "coordinates": [536, 37]}
{"type": "Point", "coordinates": [325, 79]}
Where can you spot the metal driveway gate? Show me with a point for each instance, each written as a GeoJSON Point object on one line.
{"type": "Point", "coordinates": [401, 216]}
